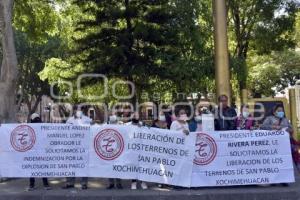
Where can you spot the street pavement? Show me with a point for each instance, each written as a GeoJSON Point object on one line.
{"type": "Point", "coordinates": [16, 190]}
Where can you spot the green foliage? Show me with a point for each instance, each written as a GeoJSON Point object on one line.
{"type": "Point", "coordinates": [31, 60]}
{"type": "Point", "coordinates": [163, 46]}
{"type": "Point", "coordinates": [37, 18]}
{"type": "Point", "coordinates": [142, 41]}
{"type": "Point", "coordinates": [270, 74]}
{"type": "Point", "coordinates": [36, 37]}
{"type": "Point", "coordinates": [56, 70]}
{"type": "Point", "coordinates": [261, 27]}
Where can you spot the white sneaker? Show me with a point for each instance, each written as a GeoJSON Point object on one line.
{"type": "Point", "coordinates": [134, 185]}
{"type": "Point", "coordinates": [144, 186]}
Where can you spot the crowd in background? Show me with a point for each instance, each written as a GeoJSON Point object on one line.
{"type": "Point", "coordinates": [225, 119]}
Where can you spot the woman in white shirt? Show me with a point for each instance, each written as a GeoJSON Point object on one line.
{"type": "Point", "coordinates": [180, 124]}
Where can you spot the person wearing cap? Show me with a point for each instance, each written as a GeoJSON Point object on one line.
{"type": "Point", "coordinates": [78, 118]}
{"type": "Point", "coordinates": [35, 118]}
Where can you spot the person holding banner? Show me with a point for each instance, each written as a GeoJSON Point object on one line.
{"type": "Point", "coordinates": [78, 118]}
{"type": "Point", "coordinates": [166, 111]}
{"type": "Point", "coordinates": [225, 116]}
{"type": "Point", "coordinates": [245, 120]}
{"type": "Point", "coordinates": [135, 121]}
{"type": "Point", "coordinates": [126, 114]}
{"type": "Point", "coordinates": [195, 124]}
{"type": "Point", "coordinates": [278, 121]}
{"type": "Point", "coordinates": [113, 119]}
{"type": "Point", "coordinates": [35, 118]}
{"type": "Point", "coordinates": [161, 122]}
{"type": "Point", "coordinates": [180, 124]}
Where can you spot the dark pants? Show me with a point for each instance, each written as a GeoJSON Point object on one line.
{"type": "Point", "coordinates": [71, 181]}
{"type": "Point", "coordinates": [32, 182]}
{"type": "Point", "coordinates": [112, 181]}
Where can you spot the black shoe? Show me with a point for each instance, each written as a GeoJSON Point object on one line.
{"type": "Point", "coordinates": [177, 188]}
{"type": "Point", "coordinates": [119, 186]}
{"type": "Point", "coordinates": [84, 187]}
{"type": "Point", "coordinates": [111, 186]}
{"type": "Point", "coordinates": [67, 187]}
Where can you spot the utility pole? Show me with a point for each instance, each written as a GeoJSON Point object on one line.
{"type": "Point", "coordinates": [222, 72]}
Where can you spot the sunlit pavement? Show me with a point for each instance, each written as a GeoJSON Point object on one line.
{"type": "Point", "coordinates": [16, 189]}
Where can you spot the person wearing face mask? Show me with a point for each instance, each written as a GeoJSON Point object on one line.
{"type": "Point", "coordinates": [277, 121]}
{"type": "Point", "coordinates": [114, 182]}
{"type": "Point", "coordinates": [195, 124]}
{"type": "Point", "coordinates": [161, 122]}
{"type": "Point", "coordinates": [181, 124]}
{"type": "Point", "coordinates": [113, 119]}
{"type": "Point", "coordinates": [126, 115]}
{"type": "Point", "coordinates": [78, 118]}
{"type": "Point", "coordinates": [135, 121]}
{"type": "Point", "coordinates": [245, 120]}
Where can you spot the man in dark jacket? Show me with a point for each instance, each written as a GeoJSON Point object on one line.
{"type": "Point", "coordinates": [225, 116]}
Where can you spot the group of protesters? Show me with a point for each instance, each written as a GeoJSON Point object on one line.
{"type": "Point", "coordinates": [225, 119]}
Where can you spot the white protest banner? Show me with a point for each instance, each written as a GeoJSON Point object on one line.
{"type": "Point", "coordinates": [128, 152]}
{"type": "Point", "coordinates": [242, 158]}
{"type": "Point", "coordinates": [147, 154]}
{"type": "Point", "coordinates": [44, 150]}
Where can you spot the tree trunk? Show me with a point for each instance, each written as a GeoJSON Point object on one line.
{"type": "Point", "coordinates": [9, 71]}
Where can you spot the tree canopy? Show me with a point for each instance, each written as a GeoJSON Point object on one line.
{"type": "Point", "coordinates": [164, 47]}
{"type": "Point", "coordinates": [261, 27]}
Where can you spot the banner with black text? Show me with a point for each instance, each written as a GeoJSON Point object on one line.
{"type": "Point", "coordinates": [242, 158]}
{"type": "Point", "coordinates": [147, 154]}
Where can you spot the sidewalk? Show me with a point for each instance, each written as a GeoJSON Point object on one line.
{"type": "Point", "coordinates": [16, 190]}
